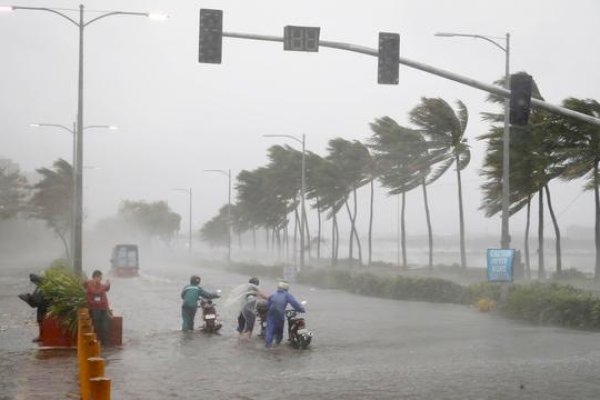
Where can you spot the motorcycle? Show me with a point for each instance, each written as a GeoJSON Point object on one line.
{"type": "Point", "coordinates": [210, 316]}
{"type": "Point", "coordinates": [261, 312]}
{"type": "Point", "coordinates": [298, 336]}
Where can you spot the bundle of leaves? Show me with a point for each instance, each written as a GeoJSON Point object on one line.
{"type": "Point", "coordinates": [65, 294]}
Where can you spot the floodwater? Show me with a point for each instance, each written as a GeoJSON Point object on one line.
{"type": "Point", "coordinates": [364, 348]}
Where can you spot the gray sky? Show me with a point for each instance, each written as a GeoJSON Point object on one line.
{"type": "Point", "coordinates": [178, 117]}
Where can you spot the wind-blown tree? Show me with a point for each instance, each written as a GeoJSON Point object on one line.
{"type": "Point", "coordinates": [580, 155]}
{"type": "Point", "coordinates": [215, 232]}
{"type": "Point", "coordinates": [353, 160]}
{"type": "Point", "coordinates": [398, 151]}
{"type": "Point", "coordinates": [533, 164]}
{"type": "Point", "coordinates": [153, 220]}
{"type": "Point", "coordinates": [259, 205]}
{"type": "Point", "coordinates": [326, 187]}
{"type": "Point", "coordinates": [13, 191]}
{"type": "Point", "coordinates": [52, 200]}
{"type": "Point", "coordinates": [444, 130]}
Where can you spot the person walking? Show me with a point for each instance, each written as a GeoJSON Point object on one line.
{"type": "Point", "coordinates": [277, 303]}
{"type": "Point", "coordinates": [97, 301]}
{"type": "Point", "coordinates": [190, 295]}
{"type": "Point", "coordinates": [247, 315]}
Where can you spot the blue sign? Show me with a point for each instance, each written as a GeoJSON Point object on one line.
{"type": "Point", "coordinates": [500, 265]}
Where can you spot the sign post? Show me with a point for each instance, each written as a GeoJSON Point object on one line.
{"type": "Point", "coordinates": [500, 265]}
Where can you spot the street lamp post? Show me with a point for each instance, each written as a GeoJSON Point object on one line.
{"type": "Point", "coordinates": [73, 132]}
{"type": "Point", "coordinates": [505, 237]}
{"type": "Point", "coordinates": [188, 191]}
{"type": "Point", "coordinates": [229, 221]}
{"type": "Point", "coordinates": [81, 25]}
{"type": "Point", "coordinates": [302, 190]}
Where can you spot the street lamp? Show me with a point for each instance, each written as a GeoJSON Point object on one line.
{"type": "Point", "coordinates": [72, 132]}
{"type": "Point", "coordinates": [505, 239]}
{"type": "Point", "coordinates": [188, 191]}
{"type": "Point", "coordinates": [81, 24]}
{"type": "Point", "coordinates": [229, 222]}
{"type": "Point", "coordinates": [303, 188]}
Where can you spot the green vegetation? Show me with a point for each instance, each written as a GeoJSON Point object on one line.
{"type": "Point", "coordinates": [539, 303]}
{"type": "Point", "coordinates": [64, 292]}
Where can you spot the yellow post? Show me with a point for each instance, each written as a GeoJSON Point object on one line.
{"type": "Point", "coordinates": [96, 366]}
{"type": "Point", "coordinates": [90, 348]}
{"type": "Point", "coordinates": [100, 388]}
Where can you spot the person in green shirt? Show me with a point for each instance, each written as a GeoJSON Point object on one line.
{"type": "Point", "coordinates": [190, 295]}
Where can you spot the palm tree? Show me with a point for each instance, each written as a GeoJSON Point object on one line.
{"type": "Point", "coordinates": [580, 155]}
{"type": "Point", "coordinates": [444, 129]}
{"type": "Point", "coordinates": [52, 199]}
{"type": "Point", "coordinates": [398, 153]}
{"type": "Point", "coordinates": [534, 163]}
{"type": "Point", "coordinates": [354, 160]}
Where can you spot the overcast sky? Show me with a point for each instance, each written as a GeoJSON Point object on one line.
{"type": "Point", "coordinates": [177, 117]}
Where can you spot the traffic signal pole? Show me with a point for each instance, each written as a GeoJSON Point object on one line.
{"type": "Point", "coordinates": [432, 70]}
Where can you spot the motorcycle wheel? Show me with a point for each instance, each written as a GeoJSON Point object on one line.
{"type": "Point", "coordinates": [210, 326]}
{"type": "Point", "coordinates": [303, 341]}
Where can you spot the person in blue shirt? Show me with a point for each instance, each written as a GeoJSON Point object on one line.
{"type": "Point", "coordinates": [190, 295]}
{"type": "Point", "coordinates": [277, 303]}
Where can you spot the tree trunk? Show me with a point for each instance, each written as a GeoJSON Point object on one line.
{"type": "Point", "coordinates": [335, 239]}
{"type": "Point", "coordinates": [65, 244]}
{"type": "Point", "coordinates": [296, 230]}
{"type": "Point", "coordinates": [556, 231]}
{"type": "Point", "coordinates": [371, 222]}
{"type": "Point", "coordinates": [307, 235]}
{"type": "Point", "coordinates": [541, 267]}
{"type": "Point", "coordinates": [429, 232]}
{"type": "Point", "coordinates": [463, 252]}
{"type": "Point", "coordinates": [527, 259]}
{"type": "Point", "coordinates": [351, 243]}
{"type": "Point", "coordinates": [597, 223]}
{"type": "Point", "coordinates": [403, 231]}
{"type": "Point", "coordinates": [318, 230]}
{"type": "Point", "coordinates": [358, 246]}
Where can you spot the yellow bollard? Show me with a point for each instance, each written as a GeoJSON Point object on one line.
{"type": "Point", "coordinates": [100, 388]}
{"type": "Point", "coordinates": [96, 366]}
{"type": "Point", "coordinates": [90, 348]}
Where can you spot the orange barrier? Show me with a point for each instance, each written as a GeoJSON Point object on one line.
{"type": "Point", "coordinates": [94, 385]}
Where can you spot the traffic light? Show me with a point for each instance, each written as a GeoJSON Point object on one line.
{"type": "Point", "coordinates": [388, 58]}
{"type": "Point", "coordinates": [520, 98]}
{"type": "Point", "coordinates": [301, 38]}
{"type": "Point", "coordinates": [211, 36]}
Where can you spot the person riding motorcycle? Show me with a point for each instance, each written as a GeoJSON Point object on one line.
{"type": "Point", "coordinates": [247, 315]}
{"type": "Point", "coordinates": [277, 303]}
{"type": "Point", "coordinates": [190, 295]}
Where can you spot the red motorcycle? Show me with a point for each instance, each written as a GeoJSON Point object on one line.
{"type": "Point", "coordinates": [298, 336]}
{"type": "Point", "coordinates": [210, 317]}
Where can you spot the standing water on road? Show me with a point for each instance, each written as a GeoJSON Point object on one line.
{"type": "Point", "coordinates": [363, 348]}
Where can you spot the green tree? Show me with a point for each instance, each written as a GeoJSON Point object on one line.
{"type": "Point", "coordinates": [215, 232]}
{"type": "Point", "coordinates": [52, 200]}
{"type": "Point", "coordinates": [153, 220]}
{"type": "Point", "coordinates": [580, 155]}
{"type": "Point", "coordinates": [13, 191]}
{"type": "Point", "coordinates": [444, 130]}
{"type": "Point", "coordinates": [534, 162]}
{"type": "Point", "coordinates": [399, 151]}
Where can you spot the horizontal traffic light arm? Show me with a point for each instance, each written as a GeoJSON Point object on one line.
{"type": "Point", "coordinates": [432, 70]}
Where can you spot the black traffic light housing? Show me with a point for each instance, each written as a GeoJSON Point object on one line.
{"type": "Point", "coordinates": [388, 58]}
{"type": "Point", "coordinates": [301, 38]}
{"type": "Point", "coordinates": [520, 98]}
{"type": "Point", "coordinates": [211, 36]}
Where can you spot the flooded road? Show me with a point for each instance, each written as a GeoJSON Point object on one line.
{"type": "Point", "coordinates": [363, 348]}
